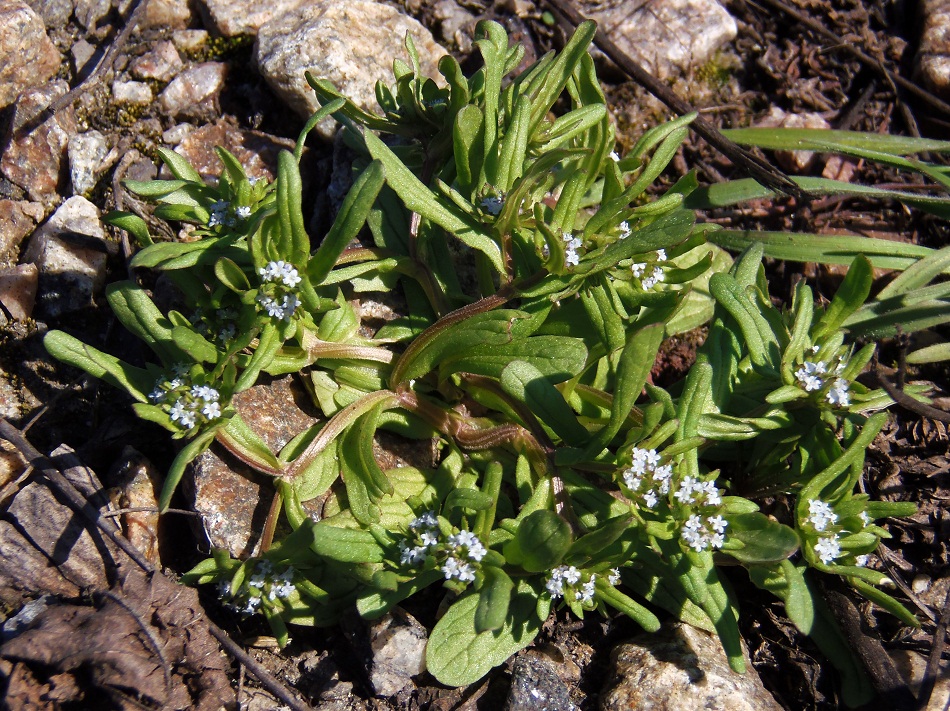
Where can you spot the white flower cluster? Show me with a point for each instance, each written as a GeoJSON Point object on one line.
{"type": "Point", "coordinates": [219, 327]}
{"type": "Point", "coordinates": [624, 229]}
{"type": "Point", "coordinates": [571, 245]}
{"type": "Point", "coordinates": [492, 204]}
{"type": "Point", "coordinates": [821, 515]}
{"type": "Point", "coordinates": [700, 535]}
{"type": "Point", "coordinates": [266, 584]}
{"type": "Point", "coordinates": [646, 477]}
{"type": "Point", "coordinates": [461, 549]}
{"type": "Point", "coordinates": [828, 546]}
{"type": "Point", "coordinates": [565, 579]}
{"type": "Point", "coordinates": [187, 405]}
{"type": "Point", "coordinates": [221, 214]}
{"type": "Point", "coordinates": [809, 376]}
{"type": "Point", "coordinates": [694, 491]}
{"type": "Point", "coordinates": [281, 305]}
{"type": "Point", "coordinates": [656, 274]}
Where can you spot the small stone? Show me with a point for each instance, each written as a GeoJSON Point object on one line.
{"type": "Point", "coordinates": [89, 12]}
{"type": "Point", "coordinates": [456, 24]}
{"type": "Point", "coordinates": [232, 18]}
{"type": "Point", "coordinates": [17, 220]}
{"type": "Point", "coordinates": [793, 161]}
{"type": "Point", "coordinates": [27, 56]}
{"type": "Point", "coordinates": [535, 685]}
{"type": "Point", "coordinates": [666, 36]}
{"type": "Point", "coordinates": [177, 133]}
{"type": "Point", "coordinates": [350, 44]}
{"type": "Point", "coordinates": [680, 667]}
{"type": "Point", "coordinates": [161, 64]}
{"type": "Point", "coordinates": [83, 54]}
{"type": "Point", "coordinates": [132, 92]}
{"type": "Point", "coordinates": [933, 53]}
{"type": "Point", "coordinates": [256, 151]}
{"type": "Point", "coordinates": [912, 666]}
{"type": "Point", "coordinates": [194, 92]}
{"type": "Point", "coordinates": [55, 13]}
{"type": "Point", "coordinates": [393, 648]}
{"type": "Point", "coordinates": [17, 292]}
{"type": "Point", "coordinates": [87, 155]}
{"type": "Point", "coordinates": [189, 40]}
{"type": "Point", "coordinates": [167, 14]}
{"type": "Point", "coordinates": [70, 251]}
{"type": "Point", "coordinates": [35, 159]}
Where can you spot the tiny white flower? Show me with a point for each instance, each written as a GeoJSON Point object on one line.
{"type": "Point", "coordinates": [492, 204]}
{"type": "Point", "coordinates": [865, 519]}
{"type": "Point", "coordinates": [426, 520]}
{"type": "Point", "coordinates": [624, 229]}
{"type": "Point", "coordinates": [243, 212]}
{"type": "Point", "coordinates": [808, 375]}
{"type": "Point", "coordinates": [650, 499]}
{"type": "Point", "coordinates": [861, 561]}
{"type": "Point", "coordinates": [614, 576]}
{"type": "Point", "coordinates": [827, 549]}
{"type": "Point", "coordinates": [638, 268]}
{"type": "Point", "coordinates": [211, 410]}
{"type": "Point", "coordinates": [820, 514]}
{"type": "Point", "coordinates": [661, 255]}
{"type": "Point", "coordinates": [614, 156]}
{"type": "Point", "coordinates": [839, 395]}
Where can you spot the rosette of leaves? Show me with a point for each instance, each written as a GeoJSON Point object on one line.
{"type": "Point", "coordinates": [539, 282]}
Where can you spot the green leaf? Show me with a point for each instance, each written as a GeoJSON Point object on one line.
{"type": "Point", "coordinates": [350, 219]}
{"type": "Point", "coordinates": [754, 538]}
{"type": "Point", "coordinates": [528, 385]}
{"type": "Point", "coordinates": [346, 545]}
{"type": "Point", "coordinates": [179, 166]}
{"type": "Point", "coordinates": [458, 654]}
{"type": "Point", "coordinates": [633, 370]}
{"type": "Point", "coordinates": [138, 382]}
{"type": "Point", "coordinates": [418, 198]}
{"type": "Point", "coordinates": [918, 275]}
{"type": "Point", "coordinates": [464, 498]}
{"type": "Point", "coordinates": [814, 139]}
{"type": "Point", "coordinates": [787, 583]}
{"type": "Point", "coordinates": [293, 241]}
{"type": "Point", "coordinates": [237, 436]}
{"type": "Point", "coordinates": [556, 357]}
{"type": "Point", "coordinates": [231, 275]}
{"type": "Point", "coordinates": [187, 455]}
{"type": "Point", "coordinates": [850, 296]}
{"type": "Point", "coordinates": [493, 599]}
{"type": "Point", "coordinates": [540, 543]}
{"type": "Point", "coordinates": [141, 316]}
{"type": "Point", "coordinates": [131, 223]}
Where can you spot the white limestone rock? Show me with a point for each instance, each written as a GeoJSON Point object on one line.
{"type": "Point", "coordinates": [351, 44]}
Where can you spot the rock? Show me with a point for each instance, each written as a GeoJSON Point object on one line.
{"type": "Point", "coordinates": [162, 63]}
{"type": "Point", "coordinates": [177, 133]}
{"type": "Point", "coordinates": [34, 158]}
{"type": "Point", "coordinates": [912, 666]}
{"type": "Point", "coordinates": [665, 36]}
{"type": "Point", "coordinates": [680, 667]}
{"type": "Point", "coordinates": [241, 17]}
{"type": "Point", "coordinates": [13, 626]}
{"type": "Point", "coordinates": [256, 151]}
{"type": "Point", "coordinates": [194, 92]}
{"type": "Point", "coordinates": [351, 44]}
{"type": "Point", "coordinates": [535, 684]}
{"type": "Point", "coordinates": [132, 92]}
{"type": "Point", "coordinates": [55, 13]}
{"type": "Point", "coordinates": [232, 500]}
{"type": "Point", "coordinates": [189, 40]}
{"type": "Point", "coordinates": [167, 14]}
{"type": "Point", "coordinates": [933, 53]}
{"type": "Point", "coordinates": [12, 463]}
{"type": "Point", "coordinates": [17, 220]}
{"type": "Point", "coordinates": [70, 251]}
{"type": "Point", "coordinates": [17, 292]}
{"type": "Point", "coordinates": [793, 161]}
{"type": "Point", "coordinates": [27, 56]}
{"type": "Point", "coordinates": [84, 55]}
{"type": "Point", "coordinates": [89, 12]}
{"type": "Point", "coordinates": [87, 155]}
{"type": "Point", "coordinates": [393, 648]}
{"type": "Point", "coordinates": [456, 24]}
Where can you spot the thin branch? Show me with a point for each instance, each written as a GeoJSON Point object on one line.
{"type": "Point", "coordinates": [909, 403]}
{"type": "Point", "coordinates": [82, 506]}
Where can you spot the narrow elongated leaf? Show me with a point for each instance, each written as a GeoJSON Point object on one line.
{"type": "Point", "coordinates": [493, 599]}
{"type": "Point", "coordinates": [179, 166]}
{"type": "Point", "coordinates": [850, 296]}
{"type": "Point", "coordinates": [70, 350]}
{"type": "Point", "coordinates": [557, 357]}
{"type": "Point", "coordinates": [526, 384]}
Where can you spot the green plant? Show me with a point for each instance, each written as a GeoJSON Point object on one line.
{"type": "Point", "coordinates": [540, 281]}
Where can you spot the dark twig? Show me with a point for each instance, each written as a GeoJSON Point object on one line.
{"type": "Point", "coordinates": [759, 169]}
{"type": "Point", "coordinates": [909, 403]}
{"type": "Point", "coordinates": [81, 505]}
{"type": "Point", "coordinates": [886, 680]}
{"type": "Point", "coordinates": [855, 51]}
{"type": "Point", "coordinates": [936, 654]}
